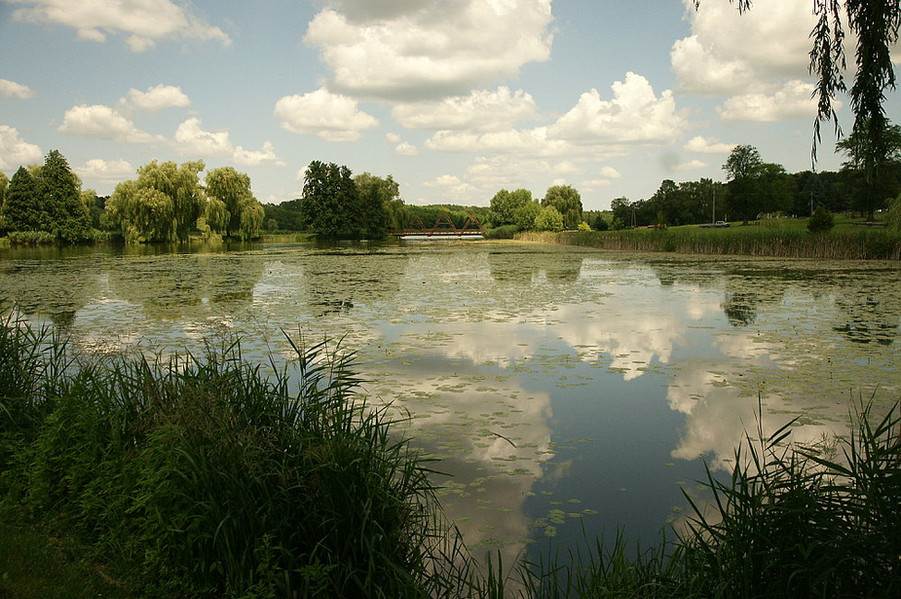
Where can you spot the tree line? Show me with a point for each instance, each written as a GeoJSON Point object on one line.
{"type": "Point", "coordinates": [165, 203]}
{"type": "Point", "coordinates": [755, 188]}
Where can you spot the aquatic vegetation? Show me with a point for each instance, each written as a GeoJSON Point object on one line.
{"type": "Point", "coordinates": [208, 478]}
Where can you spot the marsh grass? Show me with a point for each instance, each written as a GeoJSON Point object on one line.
{"type": "Point", "coordinates": [207, 478]}
{"type": "Point", "coordinates": [775, 239]}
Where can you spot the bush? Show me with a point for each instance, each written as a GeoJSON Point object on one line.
{"type": "Point", "coordinates": [821, 221]}
{"type": "Point", "coordinates": [31, 238]}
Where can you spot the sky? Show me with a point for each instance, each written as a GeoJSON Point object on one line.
{"type": "Point", "coordinates": [455, 99]}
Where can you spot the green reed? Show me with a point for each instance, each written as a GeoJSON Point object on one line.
{"type": "Point", "coordinates": [210, 479]}
{"type": "Point", "coordinates": [761, 240]}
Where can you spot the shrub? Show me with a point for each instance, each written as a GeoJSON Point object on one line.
{"type": "Point", "coordinates": [821, 220]}
{"type": "Point", "coordinates": [31, 238]}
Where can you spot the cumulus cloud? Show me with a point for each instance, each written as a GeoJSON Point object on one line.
{"type": "Point", "coordinates": [792, 101]}
{"type": "Point", "coordinates": [634, 115]}
{"type": "Point", "coordinates": [406, 149]}
{"type": "Point", "coordinates": [329, 116]}
{"type": "Point", "coordinates": [106, 170]}
{"type": "Point", "coordinates": [102, 122]}
{"type": "Point", "coordinates": [608, 172]}
{"type": "Point", "coordinates": [481, 110]}
{"type": "Point", "coordinates": [702, 145]}
{"type": "Point", "coordinates": [15, 151]}
{"type": "Point", "coordinates": [691, 165]}
{"type": "Point", "coordinates": [11, 89]}
{"type": "Point", "coordinates": [144, 22]}
{"type": "Point", "coordinates": [430, 48]}
{"type": "Point", "coordinates": [192, 140]}
{"type": "Point", "coordinates": [728, 53]}
{"type": "Point", "coordinates": [155, 98]}
{"type": "Point", "coordinates": [510, 141]}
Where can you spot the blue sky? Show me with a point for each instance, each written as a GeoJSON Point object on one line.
{"type": "Point", "coordinates": [455, 99]}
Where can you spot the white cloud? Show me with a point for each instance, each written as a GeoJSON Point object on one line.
{"type": "Point", "coordinates": [691, 165]}
{"type": "Point", "coordinates": [792, 101]}
{"type": "Point", "coordinates": [142, 21]}
{"type": "Point", "coordinates": [16, 152]}
{"type": "Point", "coordinates": [406, 149]}
{"type": "Point", "coordinates": [429, 48]}
{"type": "Point", "coordinates": [11, 89]}
{"type": "Point", "coordinates": [106, 170]}
{"type": "Point", "coordinates": [481, 110]}
{"type": "Point", "coordinates": [191, 140]}
{"type": "Point", "coordinates": [155, 98]}
{"type": "Point", "coordinates": [102, 122]}
{"type": "Point", "coordinates": [634, 115]}
{"type": "Point", "coordinates": [511, 141]}
{"type": "Point", "coordinates": [729, 53]}
{"type": "Point", "coordinates": [332, 117]}
{"type": "Point", "coordinates": [702, 145]}
{"type": "Point", "coordinates": [608, 172]}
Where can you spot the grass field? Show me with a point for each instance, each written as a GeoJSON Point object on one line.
{"type": "Point", "coordinates": [781, 238]}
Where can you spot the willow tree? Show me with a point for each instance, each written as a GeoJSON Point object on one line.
{"type": "Point", "coordinates": [874, 25]}
{"type": "Point", "coordinates": [232, 209]}
{"type": "Point", "coordinates": [163, 204]}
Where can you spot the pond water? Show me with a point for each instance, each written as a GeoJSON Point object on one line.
{"type": "Point", "coordinates": [564, 391]}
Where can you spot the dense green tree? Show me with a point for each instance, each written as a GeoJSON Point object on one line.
{"type": "Point", "coordinates": [288, 215]}
{"type": "Point", "coordinates": [756, 187]}
{"type": "Point", "coordinates": [883, 179]}
{"type": "Point", "coordinates": [504, 205]}
{"type": "Point", "coordinates": [60, 189]}
{"type": "Point", "coordinates": [331, 204]}
{"type": "Point", "coordinates": [4, 186]}
{"type": "Point", "coordinates": [163, 204]}
{"type": "Point", "coordinates": [375, 195]}
{"type": "Point", "coordinates": [567, 201]}
{"type": "Point", "coordinates": [524, 216]}
{"type": "Point", "coordinates": [549, 219]}
{"type": "Point", "coordinates": [232, 209]}
{"type": "Point", "coordinates": [22, 209]}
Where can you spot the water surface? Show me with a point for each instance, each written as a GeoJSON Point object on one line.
{"type": "Point", "coordinates": [561, 389]}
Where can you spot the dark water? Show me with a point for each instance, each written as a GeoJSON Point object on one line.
{"type": "Point", "coordinates": [561, 389]}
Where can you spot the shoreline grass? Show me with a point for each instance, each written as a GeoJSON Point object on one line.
{"type": "Point", "coordinates": [199, 476]}
{"type": "Point", "coordinates": [778, 239]}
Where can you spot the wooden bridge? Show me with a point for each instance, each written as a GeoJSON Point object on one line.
{"type": "Point", "coordinates": [443, 227]}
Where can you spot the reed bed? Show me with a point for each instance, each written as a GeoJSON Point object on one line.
{"type": "Point", "coordinates": [208, 479]}
{"type": "Point", "coordinates": [864, 244]}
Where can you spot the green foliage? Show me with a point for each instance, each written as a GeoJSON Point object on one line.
{"type": "Point", "coordinates": [22, 209]}
{"type": "Point", "coordinates": [877, 177]}
{"type": "Point", "coordinates": [894, 214]}
{"type": "Point", "coordinates": [524, 216]}
{"type": "Point", "coordinates": [379, 199]}
{"type": "Point", "coordinates": [162, 204]}
{"type": "Point", "coordinates": [330, 204]}
{"type": "Point", "coordinates": [506, 204]}
{"type": "Point", "coordinates": [232, 209]}
{"type": "Point", "coordinates": [820, 221]}
{"type": "Point", "coordinates": [549, 219]}
{"type": "Point", "coordinates": [208, 479]}
{"type": "Point", "coordinates": [60, 192]}
{"type": "Point", "coordinates": [568, 203]}
{"type": "Point", "coordinates": [756, 187]}
{"type": "Point", "coordinates": [31, 238]}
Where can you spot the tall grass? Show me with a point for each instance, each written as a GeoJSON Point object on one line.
{"type": "Point", "coordinates": [213, 480]}
{"type": "Point", "coordinates": [780, 242]}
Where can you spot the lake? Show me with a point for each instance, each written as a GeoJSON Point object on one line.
{"type": "Point", "coordinates": [563, 391]}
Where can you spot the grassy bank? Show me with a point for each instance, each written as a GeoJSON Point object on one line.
{"type": "Point", "coordinates": [200, 476]}
{"type": "Point", "coordinates": [779, 238]}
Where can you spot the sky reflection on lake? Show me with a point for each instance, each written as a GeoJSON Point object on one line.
{"type": "Point", "coordinates": [558, 387]}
